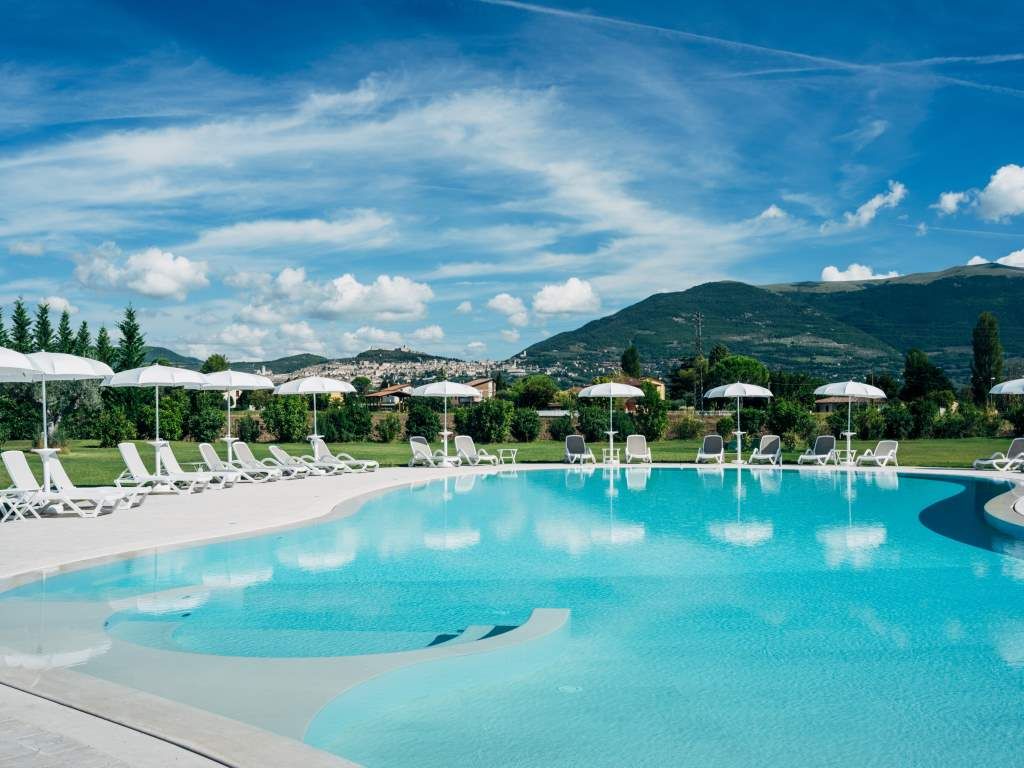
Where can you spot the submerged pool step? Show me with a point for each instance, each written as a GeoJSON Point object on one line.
{"type": "Point", "coordinates": [471, 634]}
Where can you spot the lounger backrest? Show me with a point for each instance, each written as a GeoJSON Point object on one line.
{"type": "Point", "coordinates": [210, 457]}
{"type": "Point", "coordinates": [885, 447]}
{"type": "Point", "coordinates": [244, 453]}
{"type": "Point", "coordinates": [770, 445]}
{"type": "Point", "coordinates": [575, 445]}
{"type": "Point", "coordinates": [132, 460]}
{"type": "Point", "coordinates": [420, 448]}
{"type": "Point", "coordinates": [465, 444]}
{"type": "Point", "coordinates": [281, 455]}
{"type": "Point", "coordinates": [17, 468]}
{"type": "Point", "coordinates": [636, 445]}
{"type": "Point", "coordinates": [421, 440]}
{"type": "Point", "coordinates": [59, 476]}
{"type": "Point", "coordinates": [824, 445]}
{"type": "Point", "coordinates": [168, 460]}
{"type": "Point", "coordinates": [712, 445]}
{"type": "Point", "coordinates": [1016, 448]}
{"type": "Point", "coordinates": [320, 449]}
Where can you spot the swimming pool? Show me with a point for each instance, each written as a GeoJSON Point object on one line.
{"type": "Point", "coordinates": [718, 618]}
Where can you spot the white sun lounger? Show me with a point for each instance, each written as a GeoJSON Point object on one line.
{"type": "Point", "coordinates": [1004, 462]}
{"type": "Point", "coordinates": [466, 450]}
{"type": "Point", "coordinates": [422, 456]}
{"type": "Point", "coordinates": [169, 465]}
{"type": "Point", "coordinates": [215, 463]}
{"type": "Point", "coordinates": [16, 504]}
{"type": "Point", "coordinates": [311, 465]}
{"type": "Point", "coordinates": [282, 460]}
{"type": "Point", "coordinates": [245, 460]}
{"type": "Point", "coordinates": [711, 449]}
{"type": "Point", "coordinates": [133, 497]}
{"type": "Point", "coordinates": [83, 502]}
{"type": "Point", "coordinates": [769, 450]}
{"type": "Point", "coordinates": [883, 454]}
{"type": "Point", "coordinates": [576, 450]}
{"type": "Point", "coordinates": [636, 448]}
{"type": "Point", "coordinates": [822, 453]}
{"type": "Point", "coordinates": [322, 453]}
{"type": "Point", "coordinates": [135, 473]}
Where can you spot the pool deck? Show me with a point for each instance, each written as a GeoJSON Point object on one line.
{"type": "Point", "coordinates": [44, 719]}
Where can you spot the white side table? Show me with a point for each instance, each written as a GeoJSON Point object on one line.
{"type": "Point", "coordinates": [507, 455]}
{"type": "Point", "coordinates": [609, 455]}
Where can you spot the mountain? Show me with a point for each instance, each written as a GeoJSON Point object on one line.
{"type": "Point", "coordinates": [400, 355]}
{"type": "Point", "coordinates": [294, 363]}
{"type": "Point", "coordinates": [172, 357]}
{"type": "Point", "coordinates": [833, 329]}
{"type": "Point", "coordinates": [281, 364]}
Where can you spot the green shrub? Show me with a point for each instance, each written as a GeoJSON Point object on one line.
{"type": "Point", "coordinates": [206, 424]}
{"type": "Point", "coordinates": [689, 427]}
{"type": "Point", "coordinates": [593, 422]}
{"type": "Point", "coordinates": [560, 427]}
{"type": "Point", "coordinates": [869, 423]}
{"type": "Point", "coordinates": [789, 416]}
{"type": "Point", "coordinates": [287, 418]}
{"type": "Point", "coordinates": [651, 416]}
{"type": "Point", "coordinates": [423, 420]}
{"type": "Point", "coordinates": [347, 422]}
{"type": "Point", "coordinates": [525, 425]}
{"type": "Point", "coordinates": [753, 420]}
{"type": "Point", "coordinates": [924, 413]}
{"type": "Point", "coordinates": [534, 391]}
{"type": "Point", "coordinates": [388, 428]}
{"type": "Point", "coordinates": [791, 439]}
{"type": "Point", "coordinates": [249, 429]}
{"type": "Point", "coordinates": [725, 426]}
{"type": "Point", "coordinates": [113, 427]}
{"type": "Point", "coordinates": [899, 423]}
{"type": "Point", "coordinates": [486, 422]}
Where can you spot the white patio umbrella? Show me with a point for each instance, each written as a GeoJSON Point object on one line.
{"type": "Point", "coordinates": [231, 381]}
{"type": "Point", "coordinates": [850, 390]}
{"type": "Point", "coordinates": [313, 385]}
{"type": "Point", "coordinates": [156, 376]}
{"type": "Point", "coordinates": [15, 367]}
{"type": "Point", "coordinates": [738, 390]}
{"type": "Point", "coordinates": [611, 389]}
{"type": "Point", "coordinates": [445, 389]}
{"type": "Point", "coordinates": [1011, 387]}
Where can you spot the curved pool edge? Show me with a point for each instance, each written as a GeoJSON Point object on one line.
{"type": "Point", "coordinates": [232, 742]}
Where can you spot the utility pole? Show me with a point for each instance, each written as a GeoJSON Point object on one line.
{"type": "Point", "coordinates": [698, 352]}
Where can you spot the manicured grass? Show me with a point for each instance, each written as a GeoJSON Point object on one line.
{"type": "Point", "coordinates": [88, 464]}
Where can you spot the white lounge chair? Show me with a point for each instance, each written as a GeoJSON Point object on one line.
{"type": "Point", "coordinates": [711, 449]}
{"type": "Point", "coordinates": [246, 461]}
{"type": "Point", "coordinates": [135, 473]}
{"type": "Point", "coordinates": [215, 463]}
{"type": "Point", "coordinates": [823, 451]}
{"type": "Point", "coordinates": [61, 483]}
{"type": "Point", "coordinates": [169, 465]}
{"type": "Point", "coordinates": [1004, 462]}
{"type": "Point", "coordinates": [283, 460]}
{"type": "Point", "coordinates": [315, 467]}
{"type": "Point", "coordinates": [16, 504]}
{"type": "Point", "coordinates": [322, 453]}
{"type": "Point", "coordinates": [83, 502]}
{"type": "Point", "coordinates": [883, 454]}
{"type": "Point", "coordinates": [636, 448]}
{"type": "Point", "coordinates": [422, 456]}
{"type": "Point", "coordinates": [467, 451]}
{"type": "Point", "coordinates": [576, 450]}
{"type": "Point", "coordinates": [769, 450]}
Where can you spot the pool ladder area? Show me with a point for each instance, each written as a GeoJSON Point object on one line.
{"type": "Point", "coordinates": [471, 634]}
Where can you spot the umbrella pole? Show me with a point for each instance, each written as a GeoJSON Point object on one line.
{"type": "Point", "coordinates": [46, 439]}
{"type": "Point", "coordinates": [739, 435]}
{"type": "Point", "coordinates": [445, 433]}
{"type": "Point", "coordinates": [156, 440]}
{"type": "Point", "coordinates": [315, 432]}
{"type": "Point", "coordinates": [849, 425]}
{"type": "Point", "coordinates": [228, 438]}
{"type": "Point", "coordinates": [611, 437]}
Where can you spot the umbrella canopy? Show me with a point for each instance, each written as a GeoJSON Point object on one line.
{"type": "Point", "coordinates": [15, 366]}
{"type": "Point", "coordinates": [313, 385]}
{"type": "Point", "coordinates": [446, 389]}
{"type": "Point", "coordinates": [229, 381]}
{"type": "Point", "coordinates": [611, 389]}
{"type": "Point", "coordinates": [850, 390]}
{"type": "Point", "coordinates": [738, 390]}
{"type": "Point", "coordinates": [58, 366]}
{"type": "Point", "coordinates": [1012, 387]}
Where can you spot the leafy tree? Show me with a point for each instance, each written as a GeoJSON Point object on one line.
{"type": "Point", "coordinates": [131, 349]}
{"type": "Point", "coordinates": [42, 330]}
{"type": "Point", "coordinates": [717, 354]}
{"type": "Point", "coordinates": [593, 422]}
{"type": "Point", "coordinates": [205, 421]}
{"type": "Point", "coordinates": [525, 425]}
{"type": "Point", "coordinates": [899, 422]}
{"type": "Point", "coordinates": [5, 340]}
{"type": "Point", "coordinates": [362, 385]}
{"type": "Point", "coordinates": [535, 391]}
{"type": "Point", "coordinates": [651, 415]}
{"type": "Point", "coordinates": [487, 421]}
{"type": "Point", "coordinates": [423, 420]}
{"type": "Point", "coordinates": [739, 368]}
{"type": "Point", "coordinates": [869, 423]}
{"type": "Point", "coordinates": [987, 365]}
{"type": "Point", "coordinates": [924, 413]}
{"type": "Point", "coordinates": [794, 387]}
{"type": "Point", "coordinates": [105, 351]}
{"type": "Point", "coordinates": [886, 382]}
{"type": "Point", "coordinates": [83, 341]}
{"type": "Point", "coordinates": [921, 377]}
{"type": "Point", "coordinates": [249, 429]}
{"type": "Point", "coordinates": [287, 418]}
{"type": "Point", "coordinates": [65, 341]}
{"type": "Point", "coordinates": [560, 427]}
{"type": "Point", "coordinates": [348, 421]}
{"type": "Point", "coordinates": [631, 361]}
{"type": "Point", "coordinates": [689, 427]}
{"type": "Point", "coordinates": [790, 416]}
{"type": "Point", "coordinates": [21, 328]}
{"type": "Point", "coordinates": [388, 428]}
{"type": "Point", "coordinates": [113, 427]}
{"type": "Point", "coordinates": [214, 363]}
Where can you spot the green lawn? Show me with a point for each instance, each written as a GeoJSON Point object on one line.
{"type": "Point", "coordinates": [89, 464]}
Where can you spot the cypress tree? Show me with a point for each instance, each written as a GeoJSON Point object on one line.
{"type": "Point", "coordinates": [83, 341]}
{"type": "Point", "coordinates": [987, 365]}
{"type": "Point", "coordinates": [21, 328]}
{"type": "Point", "coordinates": [65, 335]}
{"type": "Point", "coordinates": [42, 330]}
{"type": "Point", "coordinates": [631, 361]}
{"type": "Point", "coordinates": [131, 350]}
{"type": "Point", "coordinates": [104, 351]}
{"type": "Point", "coordinates": [5, 340]}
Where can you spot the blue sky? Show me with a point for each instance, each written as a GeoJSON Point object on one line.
{"type": "Point", "coordinates": [468, 177]}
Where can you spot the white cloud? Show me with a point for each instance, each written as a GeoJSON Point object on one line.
{"type": "Point", "coordinates": [368, 336]}
{"type": "Point", "coordinates": [259, 281]}
{"type": "Point", "coordinates": [428, 333]}
{"type": "Point", "coordinates": [290, 282]}
{"type": "Point", "coordinates": [476, 347]}
{"type": "Point", "coordinates": [362, 229]}
{"type": "Point", "coordinates": [511, 307]}
{"type": "Point", "coordinates": [949, 202]}
{"type": "Point", "coordinates": [263, 314]}
{"type": "Point", "coordinates": [855, 271]}
{"type": "Point", "coordinates": [922, 229]}
{"type": "Point", "coordinates": [301, 337]}
{"type": "Point", "coordinates": [574, 296]}
{"type": "Point", "coordinates": [772, 212]}
{"type": "Point", "coordinates": [388, 298]}
{"type": "Point", "coordinates": [867, 212]}
{"type": "Point", "coordinates": [152, 272]}
{"type": "Point", "coordinates": [976, 260]}
{"type": "Point", "coordinates": [866, 133]}
{"type": "Point", "coordinates": [511, 335]}
{"type": "Point", "coordinates": [464, 308]}
{"type": "Point", "coordinates": [25, 248]}
{"type": "Point", "coordinates": [1003, 197]}
{"type": "Point", "coordinates": [59, 304]}
{"type": "Point", "coordinates": [1015, 259]}
{"type": "Point", "coordinates": [244, 339]}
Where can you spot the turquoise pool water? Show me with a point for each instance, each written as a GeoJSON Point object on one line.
{"type": "Point", "coordinates": [718, 619]}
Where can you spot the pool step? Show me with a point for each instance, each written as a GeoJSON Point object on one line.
{"type": "Point", "coordinates": [471, 634]}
